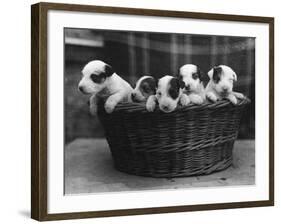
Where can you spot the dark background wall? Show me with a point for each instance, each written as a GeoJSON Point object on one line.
{"type": "Point", "coordinates": [133, 54]}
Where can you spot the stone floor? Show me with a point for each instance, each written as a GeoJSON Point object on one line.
{"type": "Point", "coordinates": [89, 169]}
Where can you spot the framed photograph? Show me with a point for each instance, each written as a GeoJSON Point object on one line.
{"type": "Point", "coordinates": [139, 111]}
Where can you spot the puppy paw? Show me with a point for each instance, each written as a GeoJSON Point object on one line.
{"type": "Point", "coordinates": [109, 106]}
{"type": "Point", "coordinates": [232, 99]}
{"type": "Point", "coordinates": [211, 96]}
{"type": "Point", "coordinates": [184, 100]}
{"type": "Point", "coordinates": [196, 99]}
{"type": "Point", "coordinates": [93, 110]}
{"type": "Point", "coordinates": [150, 107]}
{"type": "Point", "coordinates": [150, 104]}
{"type": "Point", "coordinates": [239, 95]}
{"type": "Point", "coordinates": [92, 106]}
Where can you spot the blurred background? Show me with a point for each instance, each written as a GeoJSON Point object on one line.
{"type": "Point", "coordinates": [134, 54]}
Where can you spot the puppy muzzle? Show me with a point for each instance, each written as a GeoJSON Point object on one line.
{"type": "Point", "coordinates": [224, 91]}
{"type": "Point", "coordinates": [81, 89]}
{"type": "Point", "coordinates": [187, 89]}
{"type": "Point", "coordinates": [133, 96]}
{"type": "Point", "coordinates": [165, 108]}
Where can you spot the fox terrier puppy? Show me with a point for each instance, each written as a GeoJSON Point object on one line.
{"type": "Point", "coordinates": [194, 88]}
{"type": "Point", "coordinates": [145, 87]}
{"type": "Point", "coordinates": [220, 85]}
{"type": "Point", "coordinates": [169, 93]}
{"type": "Point", "coordinates": [101, 82]}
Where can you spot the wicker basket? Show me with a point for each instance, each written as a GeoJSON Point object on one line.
{"type": "Point", "coordinates": [192, 140]}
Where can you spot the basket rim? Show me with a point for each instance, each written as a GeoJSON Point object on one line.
{"type": "Point", "coordinates": [131, 107]}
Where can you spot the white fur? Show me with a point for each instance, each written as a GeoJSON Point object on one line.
{"type": "Point", "coordinates": [166, 103]}
{"type": "Point", "coordinates": [215, 91]}
{"type": "Point", "coordinates": [196, 94]}
{"type": "Point", "coordinates": [151, 103]}
{"type": "Point", "coordinates": [114, 89]}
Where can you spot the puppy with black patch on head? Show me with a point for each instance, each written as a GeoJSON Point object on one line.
{"type": "Point", "coordinates": [145, 87]}
{"type": "Point", "coordinates": [101, 82]}
{"type": "Point", "coordinates": [220, 85]}
{"type": "Point", "coordinates": [168, 95]}
{"type": "Point", "coordinates": [194, 88]}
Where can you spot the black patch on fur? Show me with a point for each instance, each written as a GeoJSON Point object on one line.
{"type": "Point", "coordinates": [148, 86]}
{"type": "Point", "coordinates": [174, 89]}
{"type": "Point", "coordinates": [108, 71]}
{"type": "Point", "coordinates": [195, 75]}
{"type": "Point", "coordinates": [182, 84]}
{"type": "Point", "coordinates": [97, 78]}
{"type": "Point", "coordinates": [217, 74]}
{"type": "Point", "coordinates": [179, 76]}
{"type": "Point", "coordinates": [200, 74]}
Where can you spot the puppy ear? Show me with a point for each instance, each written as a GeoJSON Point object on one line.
{"type": "Point", "coordinates": [154, 85]}
{"type": "Point", "coordinates": [217, 70]}
{"type": "Point", "coordinates": [217, 74]}
{"type": "Point", "coordinates": [234, 76]}
{"type": "Point", "coordinates": [181, 83]}
{"type": "Point", "coordinates": [210, 73]}
{"type": "Point", "coordinates": [108, 71]}
{"type": "Point", "coordinates": [178, 75]}
{"type": "Point", "coordinates": [200, 74]}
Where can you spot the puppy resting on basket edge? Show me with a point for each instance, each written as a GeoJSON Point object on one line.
{"type": "Point", "coordinates": [221, 84]}
{"type": "Point", "coordinates": [101, 82]}
{"type": "Point", "coordinates": [194, 88]}
{"type": "Point", "coordinates": [145, 87]}
{"type": "Point", "coordinates": [169, 93]}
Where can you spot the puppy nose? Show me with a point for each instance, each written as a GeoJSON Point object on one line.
{"type": "Point", "coordinates": [81, 89]}
{"type": "Point", "coordinates": [224, 89]}
{"type": "Point", "coordinates": [133, 96]}
{"type": "Point", "coordinates": [165, 107]}
{"type": "Point", "coordinates": [187, 87]}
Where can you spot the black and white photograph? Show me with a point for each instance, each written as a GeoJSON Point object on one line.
{"type": "Point", "coordinates": [147, 111]}
{"type": "Point", "coordinates": [141, 111]}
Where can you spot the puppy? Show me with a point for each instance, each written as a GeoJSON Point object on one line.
{"type": "Point", "coordinates": [194, 88]}
{"type": "Point", "coordinates": [145, 87]}
{"type": "Point", "coordinates": [221, 84]}
{"type": "Point", "coordinates": [101, 82]}
{"type": "Point", "coordinates": [169, 93]}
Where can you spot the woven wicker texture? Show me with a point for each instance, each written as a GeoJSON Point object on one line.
{"type": "Point", "coordinates": [191, 140]}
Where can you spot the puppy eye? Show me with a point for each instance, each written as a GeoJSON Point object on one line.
{"type": "Point", "coordinates": [96, 78]}
{"type": "Point", "coordinates": [159, 93]}
{"type": "Point", "coordinates": [146, 89]}
{"type": "Point", "coordinates": [195, 76]}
